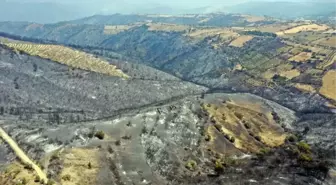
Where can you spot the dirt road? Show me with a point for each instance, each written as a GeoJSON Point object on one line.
{"type": "Point", "coordinates": [21, 155]}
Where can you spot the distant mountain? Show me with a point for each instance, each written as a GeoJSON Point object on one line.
{"type": "Point", "coordinates": [285, 9]}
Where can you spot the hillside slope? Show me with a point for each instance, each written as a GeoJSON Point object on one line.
{"type": "Point", "coordinates": [34, 86]}
{"type": "Point", "coordinates": [208, 60]}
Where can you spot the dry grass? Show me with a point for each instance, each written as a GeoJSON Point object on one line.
{"type": "Point", "coordinates": [115, 29]}
{"type": "Point", "coordinates": [273, 28]}
{"type": "Point", "coordinates": [307, 27]}
{"type": "Point", "coordinates": [290, 74]}
{"type": "Point", "coordinates": [76, 166]}
{"type": "Point", "coordinates": [305, 88]}
{"type": "Point", "coordinates": [70, 57]}
{"type": "Point", "coordinates": [167, 27]}
{"type": "Point", "coordinates": [328, 88]}
{"type": "Point", "coordinates": [329, 41]}
{"type": "Point", "coordinates": [245, 123]}
{"type": "Point", "coordinates": [301, 57]}
{"type": "Point", "coordinates": [240, 41]}
{"type": "Point", "coordinates": [15, 173]}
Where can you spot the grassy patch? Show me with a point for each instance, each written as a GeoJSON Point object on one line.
{"type": "Point", "coordinates": [80, 166]}
{"type": "Point", "coordinates": [70, 57]}
{"type": "Point", "coordinates": [244, 128]}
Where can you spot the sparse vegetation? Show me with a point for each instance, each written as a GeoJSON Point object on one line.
{"type": "Point", "coordinates": [305, 157]}
{"type": "Point", "coordinates": [191, 165]}
{"type": "Point", "coordinates": [100, 135]}
{"type": "Point", "coordinates": [303, 146]}
{"type": "Point", "coordinates": [218, 165]}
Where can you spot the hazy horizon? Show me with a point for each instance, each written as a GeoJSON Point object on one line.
{"type": "Point", "coordinates": [53, 11]}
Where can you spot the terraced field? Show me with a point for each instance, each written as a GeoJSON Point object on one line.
{"type": "Point", "coordinates": [68, 56]}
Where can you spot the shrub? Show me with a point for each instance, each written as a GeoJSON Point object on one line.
{"type": "Point", "coordinates": [264, 151]}
{"type": "Point", "coordinates": [37, 179]}
{"type": "Point", "coordinates": [238, 115]}
{"type": "Point", "coordinates": [258, 138]}
{"type": "Point", "coordinates": [24, 181]}
{"type": "Point", "coordinates": [228, 161]}
{"type": "Point", "coordinates": [50, 182]}
{"type": "Point", "coordinates": [303, 146]}
{"type": "Point", "coordinates": [55, 157]}
{"type": "Point", "coordinates": [207, 137]}
{"type": "Point", "coordinates": [218, 166]}
{"type": "Point", "coordinates": [232, 139]}
{"type": "Point", "coordinates": [118, 142]}
{"type": "Point", "coordinates": [291, 138]}
{"type": "Point", "coordinates": [127, 137]}
{"type": "Point", "coordinates": [89, 165]}
{"type": "Point", "coordinates": [66, 177]}
{"type": "Point", "coordinates": [218, 127]}
{"type": "Point", "coordinates": [100, 135]}
{"type": "Point", "coordinates": [28, 166]}
{"type": "Point", "coordinates": [191, 165]}
{"type": "Point", "coordinates": [305, 158]}
{"type": "Point", "coordinates": [247, 125]}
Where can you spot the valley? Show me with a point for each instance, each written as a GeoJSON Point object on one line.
{"type": "Point", "coordinates": [153, 99]}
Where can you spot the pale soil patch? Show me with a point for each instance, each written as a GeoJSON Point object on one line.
{"type": "Point", "coordinates": [305, 87]}
{"type": "Point", "coordinates": [240, 41]}
{"type": "Point", "coordinates": [301, 57]}
{"type": "Point", "coordinates": [76, 165]}
{"type": "Point", "coordinates": [328, 88]}
{"type": "Point", "coordinates": [308, 27]}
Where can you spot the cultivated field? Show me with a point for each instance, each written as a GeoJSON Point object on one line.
{"type": "Point", "coordinates": [328, 88]}
{"type": "Point", "coordinates": [205, 32]}
{"type": "Point", "coordinates": [305, 87]}
{"type": "Point", "coordinates": [167, 27]}
{"type": "Point", "coordinates": [70, 57]}
{"type": "Point", "coordinates": [240, 41]}
{"type": "Point", "coordinates": [307, 27]}
{"type": "Point", "coordinates": [301, 57]}
{"type": "Point", "coordinates": [115, 29]}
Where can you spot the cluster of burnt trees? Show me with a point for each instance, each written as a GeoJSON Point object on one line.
{"type": "Point", "coordinates": [259, 33]}
{"type": "Point", "coordinates": [28, 39]}
{"type": "Point", "coordinates": [50, 116]}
